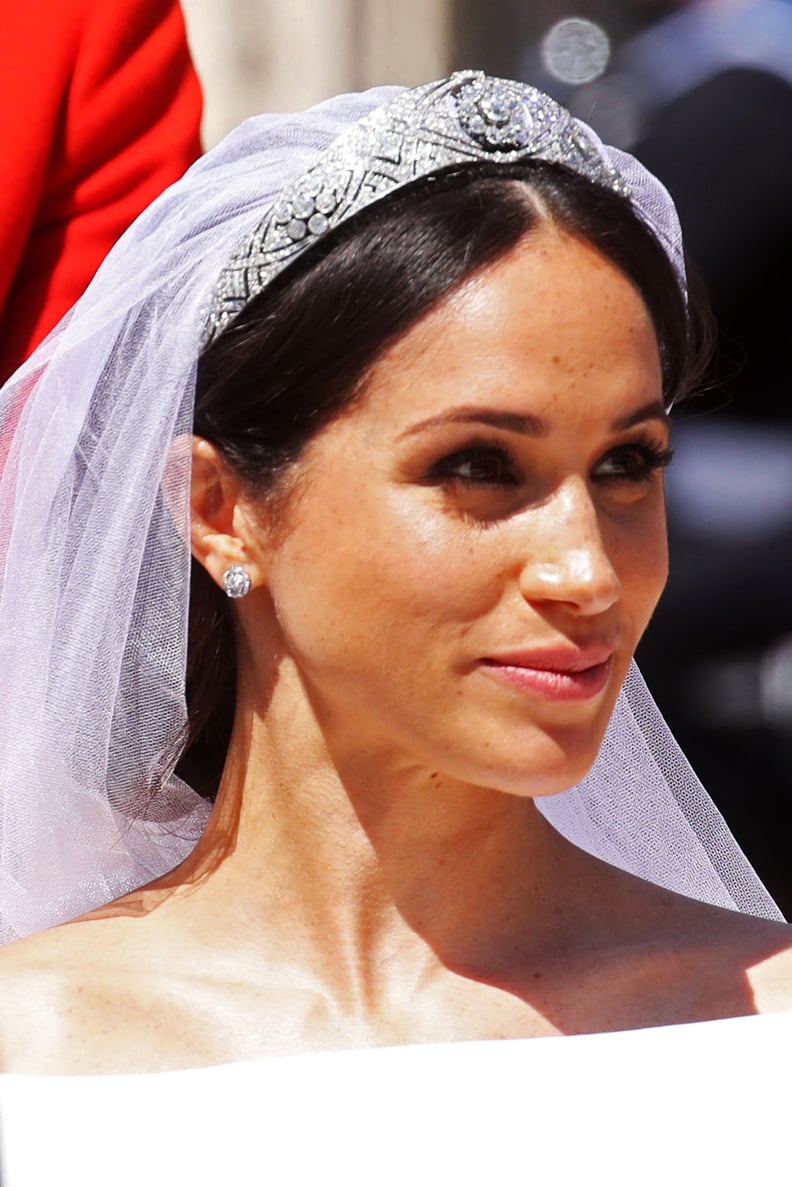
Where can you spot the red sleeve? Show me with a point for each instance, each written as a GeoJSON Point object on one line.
{"type": "Point", "coordinates": [99, 112]}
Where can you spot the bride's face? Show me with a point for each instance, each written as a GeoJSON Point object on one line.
{"type": "Point", "coordinates": [479, 543]}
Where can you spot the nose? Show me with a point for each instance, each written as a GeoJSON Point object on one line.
{"type": "Point", "coordinates": [567, 560]}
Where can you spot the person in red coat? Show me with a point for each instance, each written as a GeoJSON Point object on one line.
{"type": "Point", "coordinates": [100, 110]}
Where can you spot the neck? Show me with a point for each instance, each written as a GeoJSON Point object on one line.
{"type": "Point", "coordinates": [357, 858]}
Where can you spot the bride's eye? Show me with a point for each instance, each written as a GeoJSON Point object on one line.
{"type": "Point", "coordinates": [636, 462]}
{"type": "Point", "coordinates": [476, 466]}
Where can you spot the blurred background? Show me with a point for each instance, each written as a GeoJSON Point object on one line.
{"type": "Point", "coordinates": [702, 92]}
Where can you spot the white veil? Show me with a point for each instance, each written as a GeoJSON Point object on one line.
{"type": "Point", "coordinates": [95, 574]}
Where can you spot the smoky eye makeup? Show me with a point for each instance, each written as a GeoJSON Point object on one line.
{"type": "Point", "coordinates": [633, 461]}
{"type": "Point", "coordinates": [477, 464]}
{"type": "Point", "coordinates": [486, 464]}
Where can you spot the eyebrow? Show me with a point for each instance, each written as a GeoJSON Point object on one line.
{"type": "Point", "coordinates": [526, 423]}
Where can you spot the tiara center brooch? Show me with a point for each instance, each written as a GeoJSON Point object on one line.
{"type": "Point", "coordinates": [500, 117]}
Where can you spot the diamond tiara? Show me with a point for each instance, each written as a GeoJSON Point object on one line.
{"type": "Point", "coordinates": [467, 117]}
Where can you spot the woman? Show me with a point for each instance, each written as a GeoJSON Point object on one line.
{"type": "Point", "coordinates": [429, 434]}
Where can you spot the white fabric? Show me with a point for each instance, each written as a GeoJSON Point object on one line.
{"type": "Point", "coordinates": [642, 808]}
{"type": "Point", "coordinates": [678, 1106]}
{"type": "Point", "coordinates": [94, 570]}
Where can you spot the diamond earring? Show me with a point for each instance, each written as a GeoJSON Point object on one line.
{"type": "Point", "coordinates": [236, 581]}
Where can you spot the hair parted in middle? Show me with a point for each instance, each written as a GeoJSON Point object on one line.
{"type": "Point", "coordinates": [299, 354]}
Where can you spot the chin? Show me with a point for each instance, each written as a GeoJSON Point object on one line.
{"type": "Point", "coordinates": [547, 748]}
{"type": "Point", "coordinates": [551, 765]}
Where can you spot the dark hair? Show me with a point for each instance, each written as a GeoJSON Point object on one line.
{"type": "Point", "coordinates": [300, 352]}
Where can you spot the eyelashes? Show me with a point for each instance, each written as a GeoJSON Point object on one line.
{"type": "Point", "coordinates": [634, 461]}
{"type": "Point", "coordinates": [492, 466]}
{"type": "Point", "coordinates": [478, 465]}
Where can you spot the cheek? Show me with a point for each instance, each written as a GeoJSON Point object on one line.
{"type": "Point", "coordinates": [441, 563]}
{"type": "Point", "coordinates": [359, 575]}
{"type": "Point", "coordinates": [355, 571]}
{"type": "Point", "coordinates": [643, 566]}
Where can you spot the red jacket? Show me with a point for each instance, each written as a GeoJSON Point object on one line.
{"type": "Point", "coordinates": [99, 112]}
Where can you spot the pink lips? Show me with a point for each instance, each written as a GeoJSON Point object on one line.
{"type": "Point", "coordinates": [555, 674]}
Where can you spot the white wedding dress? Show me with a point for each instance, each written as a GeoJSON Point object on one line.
{"type": "Point", "coordinates": [704, 1103]}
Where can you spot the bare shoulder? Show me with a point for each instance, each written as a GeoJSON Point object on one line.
{"type": "Point", "coordinates": [59, 990]}
{"type": "Point", "coordinates": [703, 961]}
{"type": "Point", "coordinates": [124, 992]}
{"type": "Point", "coordinates": [770, 974]}
{"type": "Point", "coordinates": [759, 950]}
{"type": "Point", "coordinates": [34, 980]}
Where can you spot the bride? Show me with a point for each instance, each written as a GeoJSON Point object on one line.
{"type": "Point", "coordinates": [397, 373]}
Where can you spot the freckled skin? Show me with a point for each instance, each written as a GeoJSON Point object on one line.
{"type": "Point", "coordinates": [375, 870]}
{"type": "Point", "coordinates": [402, 588]}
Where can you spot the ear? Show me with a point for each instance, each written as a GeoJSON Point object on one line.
{"type": "Point", "coordinates": [222, 529]}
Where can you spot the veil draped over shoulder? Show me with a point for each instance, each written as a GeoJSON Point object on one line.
{"type": "Point", "coordinates": [94, 567]}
